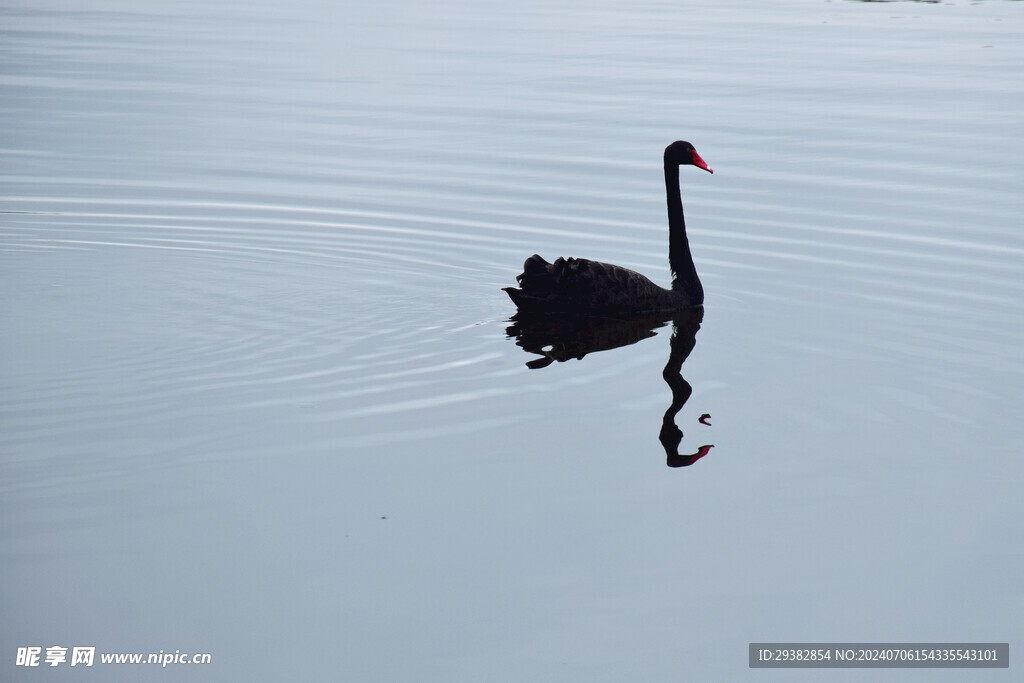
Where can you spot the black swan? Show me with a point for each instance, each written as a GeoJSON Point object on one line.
{"type": "Point", "coordinates": [584, 286]}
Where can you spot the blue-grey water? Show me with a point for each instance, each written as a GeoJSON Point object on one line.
{"type": "Point", "coordinates": [260, 398]}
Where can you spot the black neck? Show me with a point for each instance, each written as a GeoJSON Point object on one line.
{"type": "Point", "coordinates": [684, 274]}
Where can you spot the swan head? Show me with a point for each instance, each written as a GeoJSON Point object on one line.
{"type": "Point", "coordinates": [682, 153]}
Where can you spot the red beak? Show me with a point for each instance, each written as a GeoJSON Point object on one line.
{"type": "Point", "coordinates": [700, 163]}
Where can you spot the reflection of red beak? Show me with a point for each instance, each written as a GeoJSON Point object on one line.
{"type": "Point", "coordinates": [700, 163]}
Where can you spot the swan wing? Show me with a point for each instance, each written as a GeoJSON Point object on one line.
{"type": "Point", "coordinates": [583, 285]}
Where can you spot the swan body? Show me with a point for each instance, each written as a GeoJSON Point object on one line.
{"type": "Point", "coordinates": [576, 284]}
{"type": "Point", "coordinates": [585, 286]}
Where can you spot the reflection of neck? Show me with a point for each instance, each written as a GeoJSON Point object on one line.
{"type": "Point", "coordinates": [684, 338]}
{"type": "Point", "coordinates": [684, 274]}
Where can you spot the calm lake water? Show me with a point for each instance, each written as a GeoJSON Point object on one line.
{"type": "Point", "coordinates": [262, 397]}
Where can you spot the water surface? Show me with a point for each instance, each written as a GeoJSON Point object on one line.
{"type": "Point", "coordinates": [262, 397]}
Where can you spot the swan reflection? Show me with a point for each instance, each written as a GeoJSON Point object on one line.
{"type": "Point", "coordinates": [564, 337]}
